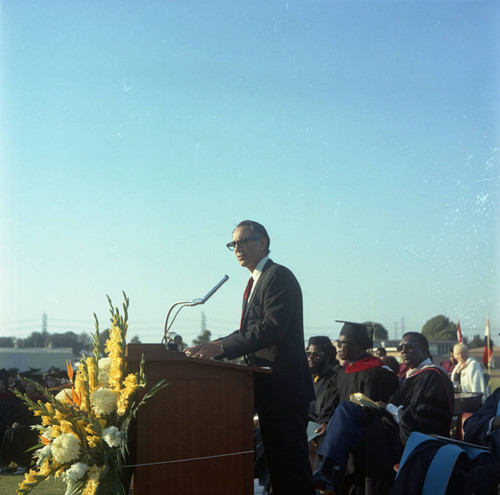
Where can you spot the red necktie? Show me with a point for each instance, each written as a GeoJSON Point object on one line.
{"type": "Point", "coordinates": [246, 295]}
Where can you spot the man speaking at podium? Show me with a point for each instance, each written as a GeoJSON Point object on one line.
{"type": "Point", "coordinates": [271, 334]}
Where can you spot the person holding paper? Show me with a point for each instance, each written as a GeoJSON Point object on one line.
{"type": "Point", "coordinates": [423, 402]}
{"type": "Point", "coordinates": [361, 371]}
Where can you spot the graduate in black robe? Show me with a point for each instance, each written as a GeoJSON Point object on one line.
{"type": "Point", "coordinates": [366, 374]}
{"type": "Point", "coordinates": [19, 436]}
{"type": "Point", "coordinates": [362, 372]}
{"type": "Point", "coordinates": [323, 364]}
{"type": "Point", "coordinates": [10, 416]}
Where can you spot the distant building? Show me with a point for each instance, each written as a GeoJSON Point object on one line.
{"type": "Point", "coordinates": [35, 357]}
{"type": "Point", "coordinates": [439, 350]}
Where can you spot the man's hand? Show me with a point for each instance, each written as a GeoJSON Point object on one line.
{"type": "Point", "coordinates": [204, 351]}
{"type": "Point", "coordinates": [320, 431]}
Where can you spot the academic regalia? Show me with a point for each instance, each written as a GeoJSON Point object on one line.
{"type": "Point", "coordinates": [368, 376]}
{"type": "Point", "coordinates": [16, 442]}
{"type": "Point", "coordinates": [478, 476]}
{"type": "Point", "coordinates": [427, 398]}
{"type": "Point", "coordinates": [477, 425]}
{"type": "Point", "coordinates": [325, 388]}
{"type": "Point", "coordinates": [9, 410]}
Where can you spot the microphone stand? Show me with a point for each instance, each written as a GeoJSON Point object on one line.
{"type": "Point", "coordinates": [167, 337]}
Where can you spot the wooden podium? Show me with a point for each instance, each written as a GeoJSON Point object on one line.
{"type": "Point", "coordinates": [196, 435]}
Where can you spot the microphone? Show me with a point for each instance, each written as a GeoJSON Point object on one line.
{"type": "Point", "coordinates": [194, 302]}
{"type": "Point", "coordinates": [215, 289]}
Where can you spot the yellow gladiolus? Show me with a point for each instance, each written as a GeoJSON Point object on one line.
{"type": "Point", "coordinates": [93, 441]}
{"type": "Point", "coordinates": [90, 487]}
{"type": "Point", "coordinates": [92, 369]}
{"type": "Point", "coordinates": [79, 444]}
{"type": "Point", "coordinates": [59, 416]}
{"type": "Point", "coordinates": [46, 421]}
{"type": "Point", "coordinates": [45, 469]}
{"type": "Point", "coordinates": [66, 427]}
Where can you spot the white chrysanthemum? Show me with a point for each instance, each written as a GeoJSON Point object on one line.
{"type": "Point", "coordinates": [112, 436]}
{"type": "Point", "coordinates": [43, 452]}
{"type": "Point", "coordinates": [104, 368]}
{"type": "Point", "coordinates": [65, 448]}
{"type": "Point", "coordinates": [64, 395]}
{"type": "Point", "coordinates": [76, 472]}
{"type": "Point", "coordinates": [47, 432]}
{"type": "Point", "coordinates": [103, 401]}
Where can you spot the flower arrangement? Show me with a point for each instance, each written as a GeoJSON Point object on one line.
{"type": "Point", "coordinates": [84, 429]}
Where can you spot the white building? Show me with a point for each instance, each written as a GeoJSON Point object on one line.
{"type": "Point", "coordinates": [35, 357]}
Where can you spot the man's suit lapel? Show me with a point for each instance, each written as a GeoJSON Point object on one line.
{"type": "Point", "coordinates": [256, 291]}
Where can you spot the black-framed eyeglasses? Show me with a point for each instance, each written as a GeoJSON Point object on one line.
{"type": "Point", "coordinates": [314, 354]}
{"type": "Point", "coordinates": [241, 243]}
{"type": "Point", "coordinates": [340, 343]}
{"type": "Point", "coordinates": [409, 346]}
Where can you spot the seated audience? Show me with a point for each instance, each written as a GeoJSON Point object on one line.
{"type": "Point", "coordinates": [483, 427]}
{"type": "Point", "coordinates": [477, 476]}
{"type": "Point", "coordinates": [468, 371]}
{"type": "Point", "coordinates": [423, 402]}
{"type": "Point", "coordinates": [13, 381]}
{"type": "Point", "coordinates": [321, 356]}
{"type": "Point", "coordinates": [392, 362]}
{"type": "Point", "coordinates": [403, 369]}
{"type": "Point", "coordinates": [450, 363]}
{"type": "Point", "coordinates": [322, 359]}
{"type": "Point", "coordinates": [50, 381]}
{"type": "Point", "coordinates": [19, 437]}
{"type": "Point", "coordinates": [9, 415]}
{"type": "Point", "coordinates": [361, 372]}
{"type": "Point", "coordinates": [381, 352]}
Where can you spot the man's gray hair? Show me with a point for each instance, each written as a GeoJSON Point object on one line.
{"type": "Point", "coordinates": [256, 227]}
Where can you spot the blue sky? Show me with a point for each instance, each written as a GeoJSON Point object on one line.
{"type": "Point", "coordinates": [136, 135]}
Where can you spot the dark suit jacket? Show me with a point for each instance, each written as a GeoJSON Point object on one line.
{"type": "Point", "coordinates": [272, 334]}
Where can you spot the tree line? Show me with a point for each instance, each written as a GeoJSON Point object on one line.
{"type": "Point", "coordinates": [437, 328]}
{"type": "Point", "coordinates": [79, 343]}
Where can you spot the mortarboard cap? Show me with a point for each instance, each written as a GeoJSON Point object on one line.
{"type": "Point", "coordinates": [358, 333]}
